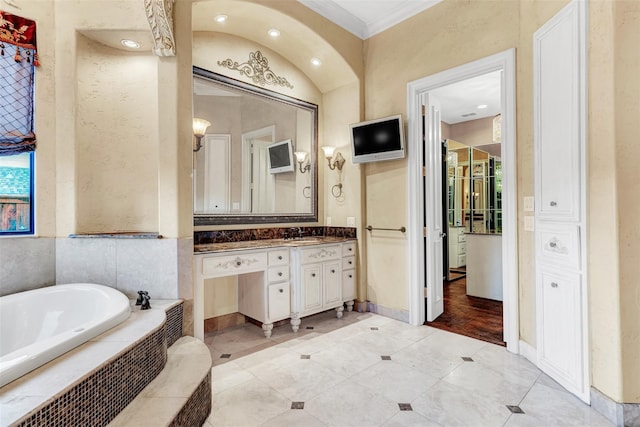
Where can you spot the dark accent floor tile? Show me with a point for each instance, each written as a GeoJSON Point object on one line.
{"type": "Point", "coordinates": [474, 317]}
{"type": "Point", "coordinates": [374, 328]}
{"type": "Point", "coordinates": [225, 356]}
{"type": "Point", "coordinates": [515, 409]}
{"type": "Point", "coordinates": [467, 359]}
{"type": "Point", "coordinates": [305, 356]}
{"type": "Point", "coordinates": [309, 327]}
{"type": "Point", "coordinates": [405, 406]}
{"type": "Point", "coordinates": [297, 405]}
{"type": "Point", "coordinates": [385, 357]}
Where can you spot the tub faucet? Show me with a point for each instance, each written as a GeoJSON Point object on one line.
{"type": "Point", "coordinates": [143, 300]}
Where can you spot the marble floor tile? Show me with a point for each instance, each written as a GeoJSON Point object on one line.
{"type": "Point", "coordinates": [346, 359]}
{"type": "Point", "coordinates": [410, 419]}
{"type": "Point", "coordinates": [394, 381]}
{"type": "Point", "coordinates": [294, 418]}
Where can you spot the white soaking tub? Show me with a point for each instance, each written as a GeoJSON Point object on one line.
{"type": "Point", "coordinates": [39, 325]}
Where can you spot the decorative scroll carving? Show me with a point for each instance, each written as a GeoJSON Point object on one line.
{"type": "Point", "coordinates": [257, 69]}
{"type": "Point", "coordinates": [555, 245]}
{"type": "Point", "coordinates": [323, 253]}
{"type": "Point", "coordinates": [160, 16]}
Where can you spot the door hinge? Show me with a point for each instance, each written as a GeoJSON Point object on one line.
{"type": "Point", "coordinates": [424, 111]}
{"type": "Point", "coordinates": [426, 293]}
{"type": "Point", "coordinates": [424, 171]}
{"type": "Point", "coordinates": [424, 231]}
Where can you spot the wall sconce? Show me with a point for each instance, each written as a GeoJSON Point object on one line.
{"type": "Point", "coordinates": [199, 128]}
{"type": "Point", "coordinates": [301, 157]}
{"type": "Point", "coordinates": [338, 162]}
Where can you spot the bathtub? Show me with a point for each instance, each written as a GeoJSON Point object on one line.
{"type": "Point", "coordinates": [40, 325]}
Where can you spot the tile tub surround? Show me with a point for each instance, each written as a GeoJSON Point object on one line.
{"type": "Point", "coordinates": [225, 236]}
{"type": "Point", "coordinates": [423, 381]}
{"type": "Point", "coordinates": [92, 383]}
{"type": "Point", "coordinates": [26, 263]}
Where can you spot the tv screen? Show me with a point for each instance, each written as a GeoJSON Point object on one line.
{"type": "Point", "coordinates": [375, 140]}
{"type": "Point", "coordinates": [281, 157]}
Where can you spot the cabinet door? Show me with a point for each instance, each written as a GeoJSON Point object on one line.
{"type": "Point", "coordinates": [560, 339]}
{"type": "Point", "coordinates": [278, 302]}
{"type": "Point", "coordinates": [332, 283]}
{"type": "Point", "coordinates": [311, 287]}
{"type": "Point", "coordinates": [348, 285]}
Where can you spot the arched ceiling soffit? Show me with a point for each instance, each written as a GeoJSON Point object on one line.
{"type": "Point", "coordinates": [297, 43]}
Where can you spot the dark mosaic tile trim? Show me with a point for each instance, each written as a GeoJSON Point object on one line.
{"type": "Point", "coordinates": [174, 324]}
{"type": "Point", "coordinates": [226, 236]}
{"type": "Point", "coordinates": [197, 408]}
{"type": "Point", "coordinates": [97, 399]}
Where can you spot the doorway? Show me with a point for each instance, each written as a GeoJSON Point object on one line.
{"type": "Point", "coordinates": [427, 203]}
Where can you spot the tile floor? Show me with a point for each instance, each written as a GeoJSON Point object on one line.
{"type": "Point", "coordinates": [370, 370]}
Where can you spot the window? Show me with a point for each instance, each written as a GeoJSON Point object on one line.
{"type": "Point", "coordinates": [16, 194]}
{"type": "Point", "coordinates": [18, 59]}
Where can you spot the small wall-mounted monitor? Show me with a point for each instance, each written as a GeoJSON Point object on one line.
{"type": "Point", "coordinates": [281, 157]}
{"type": "Point", "coordinates": [375, 140]}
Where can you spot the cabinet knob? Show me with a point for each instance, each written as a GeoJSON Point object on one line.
{"type": "Point", "coordinates": [280, 273]}
{"type": "Point", "coordinates": [280, 257]}
{"type": "Point", "coordinates": [554, 285]}
{"type": "Point", "coordinates": [313, 274]}
{"type": "Point", "coordinates": [553, 203]}
{"type": "Point", "coordinates": [350, 262]}
{"type": "Point", "coordinates": [350, 249]}
{"type": "Point", "coordinates": [351, 276]}
{"type": "Point", "coordinates": [281, 290]}
{"type": "Point", "coordinates": [238, 263]}
{"type": "Point", "coordinates": [553, 244]}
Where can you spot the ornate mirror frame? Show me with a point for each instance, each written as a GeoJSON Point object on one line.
{"type": "Point", "coordinates": [240, 218]}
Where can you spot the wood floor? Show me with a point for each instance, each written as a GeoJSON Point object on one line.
{"type": "Point", "coordinates": [471, 316]}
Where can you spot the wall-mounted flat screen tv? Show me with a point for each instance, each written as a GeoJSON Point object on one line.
{"type": "Point", "coordinates": [281, 157]}
{"type": "Point", "coordinates": [375, 140]}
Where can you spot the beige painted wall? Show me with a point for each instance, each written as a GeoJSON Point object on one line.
{"type": "Point", "coordinates": [456, 32]}
{"type": "Point", "coordinates": [117, 124]}
{"type": "Point", "coordinates": [473, 132]}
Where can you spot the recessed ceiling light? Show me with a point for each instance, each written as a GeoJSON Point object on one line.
{"type": "Point", "coordinates": [316, 62]}
{"type": "Point", "coordinates": [220, 18]}
{"type": "Point", "coordinates": [273, 32]}
{"type": "Point", "coordinates": [482, 106]}
{"type": "Point", "coordinates": [130, 43]}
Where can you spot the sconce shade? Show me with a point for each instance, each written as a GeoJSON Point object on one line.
{"type": "Point", "coordinates": [301, 156]}
{"type": "Point", "coordinates": [200, 126]}
{"type": "Point", "coordinates": [328, 151]}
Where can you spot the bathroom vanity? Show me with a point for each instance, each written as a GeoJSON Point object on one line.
{"type": "Point", "coordinates": [279, 279]}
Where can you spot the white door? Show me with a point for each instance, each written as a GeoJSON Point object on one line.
{"type": "Point", "coordinates": [217, 152]}
{"type": "Point", "coordinates": [262, 181]}
{"type": "Point", "coordinates": [433, 207]}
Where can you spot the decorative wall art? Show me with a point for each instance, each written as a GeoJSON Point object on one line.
{"type": "Point", "coordinates": [257, 69]}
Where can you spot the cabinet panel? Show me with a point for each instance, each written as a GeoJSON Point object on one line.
{"type": "Point", "coordinates": [234, 264]}
{"type": "Point", "coordinates": [332, 287]}
{"type": "Point", "coordinates": [559, 244]}
{"type": "Point", "coordinates": [279, 257]}
{"type": "Point", "coordinates": [320, 254]}
{"type": "Point", "coordinates": [311, 287]}
{"type": "Point", "coordinates": [560, 311]}
{"type": "Point", "coordinates": [279, 297]}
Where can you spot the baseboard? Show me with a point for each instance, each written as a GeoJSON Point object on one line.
{"type": "Point", "coordinates": [394, 313]}
{"type": "Point", "coordinates": [528, 352]}
{"type": "Point", "coordinates": [621, 414]}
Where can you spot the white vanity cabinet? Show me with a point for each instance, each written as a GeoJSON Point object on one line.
{"type": "Point", "coordinates": [349, 274]}
{"type": "Point", "coordinates": [457, 247]}
{"type": "Point", "coordinates": [318, 281]}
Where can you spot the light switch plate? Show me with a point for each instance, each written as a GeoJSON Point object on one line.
{"type": "Point", "coordinates": [351, 221]}
{"type": "Point", "coordinates": [528, 204]}
{"type": "Point", "coordinates": [529, 223]}
{"type": "Point", "coordinates": [328, 223]}
{"type": "Point", "coordinates": [236, 206]}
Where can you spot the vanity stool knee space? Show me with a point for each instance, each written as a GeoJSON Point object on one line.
{"type": "Point", "coordinates": [280, 279]}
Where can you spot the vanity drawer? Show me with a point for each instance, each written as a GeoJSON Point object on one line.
{"type": "Point", "coordinates": [349, 249]}
{"type": "Point", "coordinates": [320, 254]}
{"type": "Point", "coordinates": [348, 285]}
{"type": "Point", "coordinates": [233, 264]}
{"type": "Point", "coordinates": [559, 244]}
{"type": "Point", "coordinates": [462, 237]}
{"type": "Point", "coordinates": [462, 248]}
{"type": "Point", "coordinates": [348, 263]}
{"type": "Point", "coordinates": [462, 260]}
{"type": "Point", "coordinates": [279, 257]}
{"type": "Point", "coordinates": [278, 273]}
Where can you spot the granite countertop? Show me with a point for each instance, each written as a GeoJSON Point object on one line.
{"type": "Point", "coordinates": [267, 243]}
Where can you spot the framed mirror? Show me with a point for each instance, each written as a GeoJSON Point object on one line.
{"type": "Point", "coordinates": [248, 168]}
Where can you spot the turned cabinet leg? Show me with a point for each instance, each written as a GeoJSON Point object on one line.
{"type": "Point", "coordinates": [267, 327]}
{"type": "Point", "coordinates": [295, 322]}
{"type": "Point", "coordinates": [350, 305]}
{"type": "Point", "coordinates": [339, 311]}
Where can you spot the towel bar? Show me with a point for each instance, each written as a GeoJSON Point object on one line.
{"type": "Point", "coordinates": [401, 229]}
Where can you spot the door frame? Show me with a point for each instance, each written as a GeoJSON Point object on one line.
{"type": "Point", "coordinates": [504, 61]}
